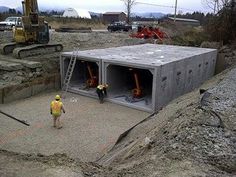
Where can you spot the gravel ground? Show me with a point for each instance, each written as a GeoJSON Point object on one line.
{"type": "Point", "coordinates": [89, 128]}
{"type": "Point", "coordinates": [16, 166]}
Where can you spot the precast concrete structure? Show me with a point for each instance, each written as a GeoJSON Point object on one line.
{"type": "Point", "coordinates": [161, 72]}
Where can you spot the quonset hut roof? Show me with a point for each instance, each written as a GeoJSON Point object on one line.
{"type": "Point", "coordinates": [76, 13]}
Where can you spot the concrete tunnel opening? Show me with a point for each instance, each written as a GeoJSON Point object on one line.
{"type": "Point", "coordinates": [130, 86]}
{"type": "Point", "coordinates": [85, 77]}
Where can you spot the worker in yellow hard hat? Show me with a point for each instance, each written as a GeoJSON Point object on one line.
{"type": "Point", "coordinates": [56, 107]}
{"type": "Point", "coordinates": [102, 91]}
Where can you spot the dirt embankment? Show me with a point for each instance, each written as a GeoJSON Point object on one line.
{"type": "Point", "coordinates": [94, 40]}
{"type": "Point", "coordinates": [197, 139]}
{"type": "Point", "coordinates": [28, 165]}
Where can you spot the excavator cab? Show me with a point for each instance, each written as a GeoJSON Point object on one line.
{"type": "Point", "coordinates": [34, 19]}
{"type": "Point", "coordinates": [43, 36]}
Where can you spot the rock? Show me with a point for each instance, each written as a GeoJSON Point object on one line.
{"type": "Point", "coordinates": [38, 73]}
{"type": "Point", "coordinates": [38, 69]}
{"type": "Point", "coordinates": [31, 75]}
{"type": "Point", "coordinates": [8, 66]}
{"type": "Point", "coordinates": [20, 73]}
{"type": "Point", "coordinates": [5, 77]}
{"type": "Point", "coordinates": [19, 79]}
{"type": "Point", "coordinates": [174, 146]}
{"type": "Point", "coordinates": [227, 134]}
{"type": "Point", "coordinates": [147, 141]}
{"type": "Point", "coordinates": [213, 121]}
{"type": "Point", "coordinates": [234, 52]}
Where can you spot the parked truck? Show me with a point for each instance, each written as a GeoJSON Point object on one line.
{"type": "Point", "coordinates": [119, 26]}
{"type": "Point", "coordinates": [9, 22]}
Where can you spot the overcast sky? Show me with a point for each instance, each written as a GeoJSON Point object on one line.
{"type": "Point", "coordinates": [115, 5]}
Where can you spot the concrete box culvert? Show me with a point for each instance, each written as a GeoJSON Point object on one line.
{"type": "Point", "coordinates": [164, 72]}
{"type": "Point", "coordinates": [85, 69]}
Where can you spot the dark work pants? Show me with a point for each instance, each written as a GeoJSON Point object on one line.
{"type": "Point", "coordinates": [100, 95]}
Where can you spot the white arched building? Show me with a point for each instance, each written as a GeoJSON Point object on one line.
{"type": "Point", "coordinates": [76, 13]}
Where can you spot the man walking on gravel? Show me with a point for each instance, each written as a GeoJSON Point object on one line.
{"type": "Point", "coordinates": [56, 107]}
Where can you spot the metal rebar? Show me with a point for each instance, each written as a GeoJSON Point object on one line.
{"type": "Point", "coordinates": [14, 118]}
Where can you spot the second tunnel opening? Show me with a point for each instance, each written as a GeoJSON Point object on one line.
{"type": "Point", "coordinates": [129, 85]}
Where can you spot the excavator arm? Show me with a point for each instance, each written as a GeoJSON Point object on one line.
{"type": "Point", "coordinates": [32, 23]}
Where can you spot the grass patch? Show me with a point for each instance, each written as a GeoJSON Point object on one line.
{"type": "Point", "coordinates": [77, 23]}
{"type": "Point", "coordinates": [193, 37]}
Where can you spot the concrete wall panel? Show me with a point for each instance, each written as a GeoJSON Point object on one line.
{"type": "Point", "coordinates": [198, 71]}
{"type": "Point", "coordinates": [189, 82]}
{"type": "Point", "coordinates": [179, 78]}
{"type": "Point", "coordinates": [209, 60]}
{"type": "Point", "coordinates": [165, 89]}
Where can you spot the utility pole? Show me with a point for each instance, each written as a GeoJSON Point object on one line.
{"type": "Point", "coordinates": [215, 7]}
{"type": "Point", "coordinates": [218, 7]}
{"type": "Point", "coordinates": [175, 10]}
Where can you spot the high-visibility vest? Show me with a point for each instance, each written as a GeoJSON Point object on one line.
{"type": "Point", "coordinates": [56, 108]}
{"type": "Point", "coordinates": [100, 87]}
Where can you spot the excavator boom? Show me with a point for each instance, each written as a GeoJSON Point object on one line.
{"type": "Point", "coordinates": [30, 6]}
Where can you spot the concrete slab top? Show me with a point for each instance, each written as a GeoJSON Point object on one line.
{"type": "Point", "coordinates": [145, 54]}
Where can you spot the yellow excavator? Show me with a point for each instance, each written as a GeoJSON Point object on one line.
{"type": "Point", "coordinates": [31, 35]}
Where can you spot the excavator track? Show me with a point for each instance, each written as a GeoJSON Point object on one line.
{"type": "Point", "coordinates": [36, 49]}
{"type": "Point", "coordinates": [7, 48]}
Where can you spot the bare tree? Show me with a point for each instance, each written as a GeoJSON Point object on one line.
{"type": "Point", "coordinates": [222, 26]}
{"type": "Point", "coordinates": [128, 5]}
{"type": "Point", "coordinates": [215, 5]}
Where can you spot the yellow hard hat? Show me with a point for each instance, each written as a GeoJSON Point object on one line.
{"type": "Point", "coordinates": [57, 97]}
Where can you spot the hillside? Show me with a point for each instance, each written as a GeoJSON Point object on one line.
{"type": "Point", "coordinates": [3, 9]}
